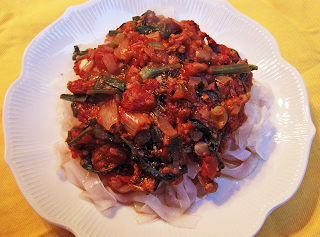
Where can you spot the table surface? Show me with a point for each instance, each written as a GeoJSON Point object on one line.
{"type": "Point", "coordinates": [294, 24]}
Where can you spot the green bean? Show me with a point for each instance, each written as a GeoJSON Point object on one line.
{"type": "Point", "coordinates": [233, 68]}
{"type": "Point", "coordinates": [147, 72]}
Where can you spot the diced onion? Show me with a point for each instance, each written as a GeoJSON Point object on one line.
{"type": "Point", "coordinates": [203, 55]}
{"type": "Point", "coordinates": [164, 125]}
{"type": "Point", "coordinates": [108, 114]}
{"type": "Point", "coordinates": [83, 63]}
{"type": "Point", "coordinates": [133, 122]}
{"type": "Point", "coordinates": [87, 67]}
{"type": "Point", "coordinates": [110, 63]}
{"type": "Point", "coordinates": [119, 38]}
{"type": "Point", "coordinates": [121, 51]}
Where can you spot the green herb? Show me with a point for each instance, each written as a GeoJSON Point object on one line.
{"type": "Point", "coordinates": [147, 13]}
{"type": "Point", "coordinates": [236, 52]}
{"type": "Point", "coordinates": [145, 16]}
{"type": "Point", "coordinates": [100, 132]}
{"type": "Point", "coordinates": [156, 134]}
{"type": "Point", "coordinates": [74, 98]}
{"type": "Point", "coordinates": [87, 164]}
{"type": "Point", "coordinates": [77, 138]}
{"type": "Point", "coordinates": [183, 87]}
{"type": "Point", "coordinates": [211, 136]}
{"type": "Point", "coordinates": [147, 29]}
{"type": "Point", "coordinates": [136, 18]}
{"type": "Point", "coordinates": [114, 82]}
{"type": "Point", "coordinates": [199, 88]}
{"type": "Point", "coordinates": [244, 79]}
{"type": "Point", "coordinates": [77, 52]}
{"type": "Point", "coordinates": [114, 32]}
{"type": "Point", "coordinates": [147, 72]}
{"type": "Point", "coordinates": [165, 32]}
{"type": "Point", "coordinates": [101, 91]}
{"type": "Point", "coordinates": [174, 142]}
{"type": "Point", "coordinates": [144, 28]}
{"type": "Point", "coordinates": [214, 94]}
{"type": "Point", "coordinates": [74, 109]}
{"type": "Point", "coordinates": [150, 169]}
{"type": "Point", "coordinates": [99, 88]}
{"type": "Point", "coordinates": [91, 122]}
{"type": "Point", "coordinates": [211, 93]}
{"type": "Point", "coordinates": [233, 68]}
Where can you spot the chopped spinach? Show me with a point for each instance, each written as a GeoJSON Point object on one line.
{"type": "Point", "coordinates": [77, 52]}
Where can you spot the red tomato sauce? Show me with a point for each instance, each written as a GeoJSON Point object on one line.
{"type": "Point", "coordinates": [148, 96]}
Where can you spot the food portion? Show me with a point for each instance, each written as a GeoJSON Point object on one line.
{"type": "Point", "coordinates": [155, 108]}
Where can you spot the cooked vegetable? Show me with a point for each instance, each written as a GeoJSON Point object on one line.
{"type": "Point", "coordinates": [118, 38]}
{"type": "Point", "coordinates": [77, 138]}
{"type": "Point", "coordinates": [201, 148]}
{"type": "Point", "coordinates": [156, 134]}
{"type": "Point", "coordinates": [210, 93]}
{"type": "Point", "coordinates": [101, 91]}
{"type": "Point", "coordinates": [218, 116]}
{"type": "Point", "coordinates": [166, 90]}
{"type": "Point", "coordinates": [77, 52]}
{"type": "Point", "coordinates": [147, 72]}
{"type": "Point", "coordinates": [108, 114]}
{"type": "Point", "coordinates": [74, 98]}
{"type": "Point", "coordinates": [212, 136]}
{"type": "Point", "coordinates": [156, 45]}
{"type": "Point", "coordinates": [101, 133]}
{"type": "Point", "coordinates": [87, 164]}
{"type": "Point", "coordinates": [150, 169]}
{"type": "Point", "coordinates": [110, 62]}
{"type": "Point", "coordinates": [147, 29]}
{"type": "Point", "coordinates": [113, 32]}
{"type": "Point", "coordinates": [159, 99]}
{"type": "Point", "coordinates": [233, 68]}
{"type": "Point", "coordinates": [163, 124]}
{"type": "Point", "coordinates": [133, 122]}
{"type": "Point", "coordinates": [114, 82]}
{"type": "Point", "coordinates": [174, 142]}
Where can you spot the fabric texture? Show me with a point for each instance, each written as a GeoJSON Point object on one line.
{"type": "Point", "coordinates": [295, 26]}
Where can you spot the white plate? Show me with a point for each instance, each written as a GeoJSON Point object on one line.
{"type": "Point", "coordinates": [30, 128]}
